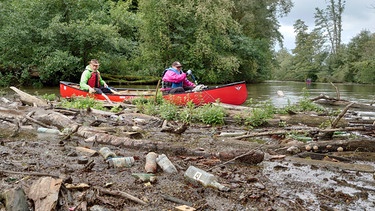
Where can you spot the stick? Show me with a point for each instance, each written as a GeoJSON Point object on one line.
{"type": "Point", "coordinates": [122, 194]}
{"type": "Point", "coordinates": [343, 112]}
{"type": "Point", "coordinates": [157, 88]}
{"type": "Point", "coordinates": [29, 173]}
{"type": "Point", "coordinates": [337, 91]}
{"type": "Point", "coordinates": [176, 200]}
{"type": "Point", "coordinates": [231, 160]}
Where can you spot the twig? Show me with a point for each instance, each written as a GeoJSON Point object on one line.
{"type": "Point", "coordinates": [156, 92]}
{"type": "Point", "coordinates": [231, 160]}
{"type": "Point", "coordinates": [337, 91]}
{"type": "Point", "coordinates": [122, 194]}
{"type": "Point", "coordinates": [29, 173]}
{"type": "Point", "coordinates": [176, 200]}
{"type": "Point", "coordinates": [28, 117]}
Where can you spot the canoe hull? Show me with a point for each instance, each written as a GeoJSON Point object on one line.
{"type": "Point", "coordinates": [234, 94]}
{"type": "Point", "coordinates": [69, 90]}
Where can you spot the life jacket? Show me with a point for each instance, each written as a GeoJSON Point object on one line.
{"type": "Point", "coordinates": [94, 80]}
{"type": "Point", "coordinates": [167, 84]}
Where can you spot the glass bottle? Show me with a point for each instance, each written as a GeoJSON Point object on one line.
{"type": "Point", "coordinates": [196, 175]}
{"type": "Point", "coordinates": [106, 153]}
{"type": "Point", "coordinates": [165, 164]}
{"type": "Point", "coordinates": [120, 162]}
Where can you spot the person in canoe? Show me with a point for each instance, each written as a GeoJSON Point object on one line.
{"type": "Point", "coordinates": [175, 80]}
{"type": "Point", "coordinates": [92, 81]}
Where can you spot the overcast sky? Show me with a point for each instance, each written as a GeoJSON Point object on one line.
{"type": "Point", "coordinates": [357, 16]}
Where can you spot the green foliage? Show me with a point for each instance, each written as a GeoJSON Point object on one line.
{"type": "Point", "coordinates": [188, 113]}
{"type": "Point", "coordinates": [81, 103]}
{"type": "Point", "coordinates": [210, 114]}
{"type": "Point", "coordinates": [222, 41]}
{"type": "Point", "coordinates": [259, 116]}
{"type": "Point", "coordinates": [168, 111]}
{"type": "Point", "coordinates": [305, 104]}
{"type": "Point", "coordinates": [49, 97]}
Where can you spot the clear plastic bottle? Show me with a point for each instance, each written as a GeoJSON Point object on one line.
{"type": "Point", "coordinates": [196, 175]}
{"type": "Point", "coordinates": [106, 153]}
{"type": "Point", "coordinates": [151, 165]}
{"type": "Point", "coordinates": [165, 164]}
{"type": "Point", "coordinates": [48, 130]}
{"type": "Point", "coordinates": [121, 162]}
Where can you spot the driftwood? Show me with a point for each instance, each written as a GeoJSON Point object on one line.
{"type": "Point", "coordinates": [301, 131]}
{"type": "Point", "coordinates": [323, 99]}
{"type": "Point", "coordinates": [342, 113]}
{"type": "Point", "coordinates": [29, 99]}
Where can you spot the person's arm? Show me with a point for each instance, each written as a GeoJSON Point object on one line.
{"type": "Point", "coordinates": [173, 77]}
{"type": "Point", "coordinates": [84, 79]}
{"type": "Point", "coordinates": [188, 83]}
{"type": "Point", "coordinates": [101, 81]}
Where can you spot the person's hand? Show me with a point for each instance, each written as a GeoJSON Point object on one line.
{"type": "Point", "coordinates": [189, 72]}
{"type": "Point", "coordinates": [105, 85]}
{"type": "Point", "coordinates": [91, 90]}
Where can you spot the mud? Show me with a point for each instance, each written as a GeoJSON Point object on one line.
{"type": "Point", "coordinates": [273, 184]}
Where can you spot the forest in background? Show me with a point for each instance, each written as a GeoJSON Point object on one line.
{"type": "Point", "coordinates": [45, 41]}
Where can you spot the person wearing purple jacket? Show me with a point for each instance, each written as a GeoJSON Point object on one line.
{"type": "Point", "coordinates": [175, 80]}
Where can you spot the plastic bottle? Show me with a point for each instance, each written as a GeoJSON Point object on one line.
{"type": "Point", "coordinates": [145, 177]}
{"type": "Point", "coordinates": [121, 162]}
{"type": "Point", "coordinates": [165, 164]}
{"type": "Point", "coordinates": [106, 153]}
{"type": "Point", "coordinates": [194, 175]}
{"type": "Point", "coordinates": [151, 164]}
{"type": "Point", "coordinates": [48, 130]}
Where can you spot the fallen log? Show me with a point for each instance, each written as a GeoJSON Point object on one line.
{"type": "Point", "coordinates": [29, 99]}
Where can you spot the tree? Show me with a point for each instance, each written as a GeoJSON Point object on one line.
{"type": "Point", "coordinates": [309, 53]}
{"type": "Point", "coordinates": [330, 21]}
{"type": "Point", "coordinates": [57, 38]}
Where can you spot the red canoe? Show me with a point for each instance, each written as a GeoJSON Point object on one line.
{"type": "Point", "coordinates": [234, 93]}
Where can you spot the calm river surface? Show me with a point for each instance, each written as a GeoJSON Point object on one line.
{"type": "Point", "coordinates": [293, 91]}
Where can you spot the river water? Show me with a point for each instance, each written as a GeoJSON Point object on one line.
{"type": "Point", "coordinates": [267, 91]}
{"type": "Point", "coordinates": [294, 91]}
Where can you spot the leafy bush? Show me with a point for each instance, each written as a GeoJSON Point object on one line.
{"type": "Point", "coordinates": [210, 114]}
{"type": "Point", "coordinates": [82, 103]}
{"type": "Point", "coordinates": [168, 111]}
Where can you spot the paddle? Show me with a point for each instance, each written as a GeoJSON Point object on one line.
{"type": "Point", "coordinates": [192, 76]}
{"type": "Point", "coordinates": [104, 95]}
{"type": "Point", "coordinates": [113, 91]}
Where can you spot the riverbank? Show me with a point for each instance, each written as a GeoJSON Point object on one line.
{"type": "Point", "coordinates": [277, 181]}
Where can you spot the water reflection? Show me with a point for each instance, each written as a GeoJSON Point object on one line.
{"type": "Point", "coordinates": [294, 91]}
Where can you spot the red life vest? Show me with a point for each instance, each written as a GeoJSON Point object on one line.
{"type": "Point", "coordinates": [94, 80]}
